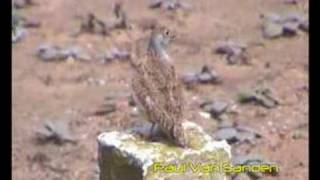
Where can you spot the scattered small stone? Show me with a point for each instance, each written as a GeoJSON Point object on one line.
{"type": "Point", "coordinates": [254, 160]}
{"type": "Point", "coordinates": [299, 134]}
{"type": "Point", "coordinates": [241, 176]}
{"type": "Point", "coordinates": [31, 23]}
{"type": "Point", "coordinates": [107, 108]}
{"type": "Point", "coordinates": [170, 5]}
{"type": "Point", "coordinates": [144, 129]}
{"type": "Point", "coordinates": [271, 30]}
{"type": "Point", "coordinates": [235, 52]}
{"type": "Point", "coordinates": [215, 107]}
{"type": "Point", "coordinates": [18, 34]}
{"type": "Point", "coordinates": [304, 25]}
{"type": "Point", "coordinates": [206, 76]}
{"type": "Point", "coordinates": [205, 115]}
{"type": "Point", "coordinates": [235, 133]}
{"type": "Point", "coordinates": [226, 124]}
{"type": "Point", "coordinates": [94, 25]}
{"type": "Point", "coordinates": [287, 24]}
{"type": "Point", "coordinates": [19, 4]}
{"type": "Point", "coordinates": [300, 131]}
{"type": "Point", "coordinates": [260, 96]}
{"type": "Point", "coordinates": [290, 1]}
{"type": "Point", "coordinates": [49, 52]}
{"type": "Point", "coordinates": [96, 82]}
{"type": "Point", "coordinates": [55, 131]}
{"type": "Point", "coordinates": [121, 21]}
{"type": "Point", "coordinates": [229, 134]}
{"type": "Point", "coordinates": [115, 54]}
{"type": "Point", "coordinates": [290, 29]}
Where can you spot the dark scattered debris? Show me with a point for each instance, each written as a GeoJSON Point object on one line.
{"type": "Point", "coordinates": [171, 5]}
{"type": "Point", "coordinates": [254, 160]}
{"type": "Point", "coordinates": [111, 103]}
{"type": "Point", "coordinates": [287, 24]}
{"type": "Point", "coordinates": [205, 76]}
{"type": "Point", "coordinates": [260, 96]}
{"type": "Point", "coordinates": [18, 32]}
{"type": "Point", "coordinates": [107, 108]}
{"type": "Point", "coordinates": [215, 107]}
{"type": "Point", "coordinates": [234, 133]}
{"type": "Point", "coordinates": [95, 82]}
{"type": "Point", "coordinates": [236, 53]}
{"type": "Point", "coordinates": [300, 131]}
{"type": "Point", "coordinates": [304, 25]}
{"type": "Point", "coordinates": [122, 21]}
{"type": "Point", "coordinates": [95, 25]}
{"type": "Point", "coordinates": [19, 4]}
{"type": "Point", "coordinates": [49, 52]}
{"type": "Point", "coordinates": [31, 23]}
{"type": "Point", "coordinates": [55, 131]}
{"type": "Point", "coordinates": [291, 2]}
{"type": "Point", "coordinates": [114, 54]}
{"type": "Point", "coordinates": [144, 129]}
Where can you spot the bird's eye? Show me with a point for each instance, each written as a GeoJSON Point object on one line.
{"type": "Point", "coordinates": [166, 33]}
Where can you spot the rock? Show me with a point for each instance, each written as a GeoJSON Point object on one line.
{"type": "Point", "coordinates": [293, 16]}
{"type": "Point", "coordinates": [225, 124]}
{"type": "Point", "coordinates": [49, 52]}
{"type": "Point", "coordinates": [290, 28]}
{"type": "Point", "coordinates": [235, 133]}
{"type": "Point", "coordinates": [56, 131]}
{"type": "Point", "coordinates": [271, 30]}
{"type": "Point", "coordinates": [190, 78]}
{"type": "Point", "coordinates": [170, 5]}
{"type": "Point", "coordinates": [115, 54]}
{"type": "Point", "coordinates": [234, 51]}
{"type": "Point", "coordinates": [260, 96]}
{"type": "Point", "coordinates": [286, 24]}
{"type": "Point", "coordinates": [206, 76]}
{"type": "Point", "coordinates": [304, 25]}
{"type": "Point", "coordinates": [291, 1]}
{"type": "Point", "coordinates": [96, 82]}
{"type": "Point", "coordinates": [31, 24]}
{"type": "Point", "coordinates": [215, 108]}
{"type": "Point", "coordinates": [19, 4]}
{"type": "Point", "coordinates": [155, 4]}
{"type": "Point", "coordinates": [78, 53]}
{"type": "Point", "coordinates": [229, 134]}
{"type": "Point", "coordinates": [106, 109]}
{"type": "Point", "coordinates": [271, 17]}
{"type": "Point", "coordinates": [122, 157]}
{"type": "Point", "coordinates": [18, 34]}
{"type": "Point", "coordinates": [255, 160]}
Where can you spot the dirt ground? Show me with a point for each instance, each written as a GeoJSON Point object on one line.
{"type": "Point", "coordinates": [69, 97]}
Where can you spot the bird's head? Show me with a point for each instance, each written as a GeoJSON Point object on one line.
{"type": "Point", "coordinates": [162, 36]}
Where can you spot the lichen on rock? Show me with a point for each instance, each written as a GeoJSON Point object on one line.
{"type": "Point", "coordinates": [124, 156]}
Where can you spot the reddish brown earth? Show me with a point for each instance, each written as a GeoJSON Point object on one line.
{"type": "Point", "coordinates": [68, 97]}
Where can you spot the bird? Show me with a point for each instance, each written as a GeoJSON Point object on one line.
{"type": "Point", "coordinates": [156, 89]}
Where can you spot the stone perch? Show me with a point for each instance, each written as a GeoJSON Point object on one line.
{"type": "Point", "coordinates": [123, 156]}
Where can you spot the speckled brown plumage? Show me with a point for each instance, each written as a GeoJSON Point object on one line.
{"type": "Point", "coordinates": [156, 88]}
